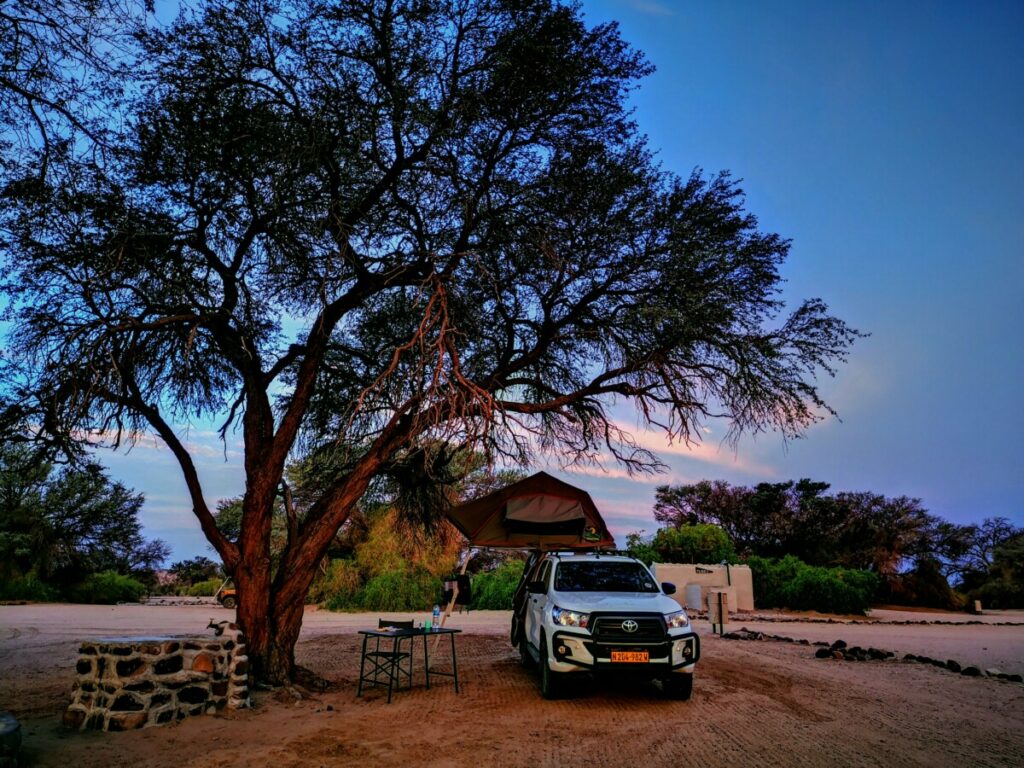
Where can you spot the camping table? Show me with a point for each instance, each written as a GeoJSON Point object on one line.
{"type": "Point", "coordinates": [389, 666]}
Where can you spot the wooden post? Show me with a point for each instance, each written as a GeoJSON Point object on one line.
{"type": "Point", "coordinates": [451, 603]}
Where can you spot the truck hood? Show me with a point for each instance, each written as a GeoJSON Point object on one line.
{"type": "Point", "coordinates": [618, 602]}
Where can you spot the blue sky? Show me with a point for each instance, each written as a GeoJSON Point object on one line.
{"type": "Point", "coordinates": [887, 140]}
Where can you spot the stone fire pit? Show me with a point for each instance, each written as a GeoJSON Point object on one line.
{"type": "Point", "coordinates": [134, 682]}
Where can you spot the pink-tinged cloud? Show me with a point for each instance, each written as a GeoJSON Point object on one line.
{"type": "Point", "coordinates": [200, 444]}
{"type": "Point", "coordinates": [705, 452]}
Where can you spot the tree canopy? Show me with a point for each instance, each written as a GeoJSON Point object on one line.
{"type": "Point", "coordinates": [385, 230]}
{"type": "Point", "coordinates": [862, 530]}
{"type": "Point", "coordinates": [62, 524]}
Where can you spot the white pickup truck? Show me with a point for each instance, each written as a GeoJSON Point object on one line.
{"type": "Point", "coordinates": [577, 613]}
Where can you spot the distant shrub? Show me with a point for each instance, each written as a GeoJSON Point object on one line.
{"type": "Point", "coordinates": [1001, 593]}
{"type": "Point", "coordinates": [205, 588]}
{"type": "Point", "coordinates": [791, 583]}
{"type": "Point", "coordinates": [401, 590]}
{"type": "Point", "coordinates": [493, 590]}
{"type": "Point", "coordinates": [638, 547]}
{"type": "Point", "coordinates": [698, 543]}
{"type": "Point", "coordinates": [337, 589]}
{"type": "Point", "coordinates": [27, 587]}
{"type": "Point", "coordinates": [108, 587]}
{"type": "Point", "coordinates": [924, 586]}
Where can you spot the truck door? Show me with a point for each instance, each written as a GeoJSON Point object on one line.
{"type": "Point", "coordinates": [536, 604]}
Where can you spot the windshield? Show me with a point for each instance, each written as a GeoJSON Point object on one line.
{"type": "Point", "coordinates": [603, 576]}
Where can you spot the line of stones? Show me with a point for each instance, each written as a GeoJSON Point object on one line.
{"type": "Point", "coordinates": [866, 622]}
{"type": "Point", "coordinates": [840, 651]}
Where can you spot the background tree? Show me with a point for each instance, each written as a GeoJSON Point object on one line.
{"type": "Point", "coordinates": [196, 569]}
{"type": "Point", "coordinates": [860, 530]}
{"type": "Point", "coordinates": [697, 543]}
{"type": "Point", "coordinates": [393, 230]}
{"type": "Point", "coordinates": [62, 524]}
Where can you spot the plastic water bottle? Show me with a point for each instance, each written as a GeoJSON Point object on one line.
{"type": "Point", "coordinates": [437, 617]}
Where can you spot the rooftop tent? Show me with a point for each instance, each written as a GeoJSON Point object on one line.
{"type": "Point", "coordinates": [539, 512]}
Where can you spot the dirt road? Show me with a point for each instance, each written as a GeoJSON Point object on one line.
{"type": "Point", "coordinates": [764, 702]}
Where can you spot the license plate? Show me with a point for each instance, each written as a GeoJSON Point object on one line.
{"type": "Point", "coordinates": [631, 657]}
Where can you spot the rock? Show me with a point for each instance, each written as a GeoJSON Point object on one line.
{"type": "Point", "coordinates": [130, 667]}
{"type": "Point", "coordinates": [838, 644]}
{"type": "Point", "coordinates": [127, 721]}
{"type": "Point", "coordinates": [127, 702]}
{"type": "Point", "coordinates": [10, 739]}
{"type": "Point", "coordinates": [203, 662]}
{"type": "Point", "coordinates": [168, 666]}
{"type": "Point", "coordinates": [970, 672]}
{"type": "Point", "coordinates": [909, 657]}
{"type": "Point", "coordinates": [194, 694]}
{"type": "Point", "coordinates": [952, 665]}
{"type": "Point", "coordinates": [74, 718]}
{"type": "Point", "coordinates": [1014, 678]}
{"type": "Point", "coordinates": [993, 672]}
{"type": "Point", "coordinates": [838, 655]}
{"type": "Point", "coordinates": [823, 653]}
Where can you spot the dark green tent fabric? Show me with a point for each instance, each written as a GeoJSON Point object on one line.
{"type": "Point", "coordinates": [540, 512]}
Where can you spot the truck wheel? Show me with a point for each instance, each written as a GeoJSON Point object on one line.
{"type": "Point", "coordinates": [678, 687]}
{"type": "Point", "coordinates": [525, 658]}
{"type": "Point", "coordinates": [229, 602]}
{"type": "Point", "coordinates": [516, 633]}
{"type": "Point", "coordinates": [550, 682]}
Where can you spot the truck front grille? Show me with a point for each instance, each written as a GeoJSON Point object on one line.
{"type": "Point", "coordinates": [608, 629]}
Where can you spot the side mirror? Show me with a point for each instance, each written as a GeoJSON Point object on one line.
{"type": "Point", "coordinates": [536, 588]}
{"type": "Point", "coordinates": [668, 587]}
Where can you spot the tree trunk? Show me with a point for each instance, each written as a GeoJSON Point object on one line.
{"type": "Point", "coordinates": [271, 617]}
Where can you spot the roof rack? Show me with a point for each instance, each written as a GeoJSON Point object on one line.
{"type": "Point", "coordinates": [595, 552]}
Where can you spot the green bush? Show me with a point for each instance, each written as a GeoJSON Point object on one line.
{"type": "Point", "coordinates": [337, 589]}
{"type": "Point", "coordinates": [493, 590]}
{"type": "Point", "coordinates": [205, 588]}
{"type": "Point", "coordinates": [700, 543]}
{"type": "Point", "coordinates": [642, 550]}
{"type": "Point", "coordinates": [108, 587]}
{"type": "Point", "coordinates": [1000, 593]}
{"type": "Point", "coordinates": [791, 583]}
{"type": "Point", "coordinates": [403, 590]}
{"type": "Point", "coordinates": [27, 587]}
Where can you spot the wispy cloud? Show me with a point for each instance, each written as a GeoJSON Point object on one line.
{"type": "Point", "coordinates": [705, 452]}
{"type": "Point", "coordinates": [651, 7]}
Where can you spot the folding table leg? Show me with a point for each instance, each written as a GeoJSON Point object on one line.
{"type": "Point", "coordinates": [362, 662]}
{"type": "Point", "coordinates": [455, 666]}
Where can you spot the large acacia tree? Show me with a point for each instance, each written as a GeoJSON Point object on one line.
{"type": "Point", "coordinates": [387, 230]}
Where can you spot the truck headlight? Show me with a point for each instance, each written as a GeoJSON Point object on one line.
{"type": "Point", "coordinates": [677, 620]}
{"type": "Point", "coordinates": [564, 618]}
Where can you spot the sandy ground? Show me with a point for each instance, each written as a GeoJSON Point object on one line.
{"type": "Point", "coordinates": [768, 702]}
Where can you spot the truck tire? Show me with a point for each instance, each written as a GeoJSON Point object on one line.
{"type": "Point", "coordinates": [229, 602]}
{"type": "Point", "coordinates": [679, 687]}
{"type": "Point", "coordinates": [516, 632]}
{"type": "Point", "coordinates": [550, 681]}
{"type": "Point", "coordinates": [525, 657]}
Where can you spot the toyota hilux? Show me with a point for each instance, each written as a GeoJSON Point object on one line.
{"type": "Point", "coordinates": [576, 613]}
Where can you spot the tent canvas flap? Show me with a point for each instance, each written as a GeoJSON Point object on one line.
{"type": "Point", "coordinates": [544, 509]}
{"type": "Point", "coordinates": [540, 512]}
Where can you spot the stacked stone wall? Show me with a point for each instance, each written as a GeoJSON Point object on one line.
{"type": "Point", "coordinates": [128, 683]}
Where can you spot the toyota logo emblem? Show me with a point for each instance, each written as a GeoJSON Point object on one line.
{"type": "Point", "coordinates": [629, 626]}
